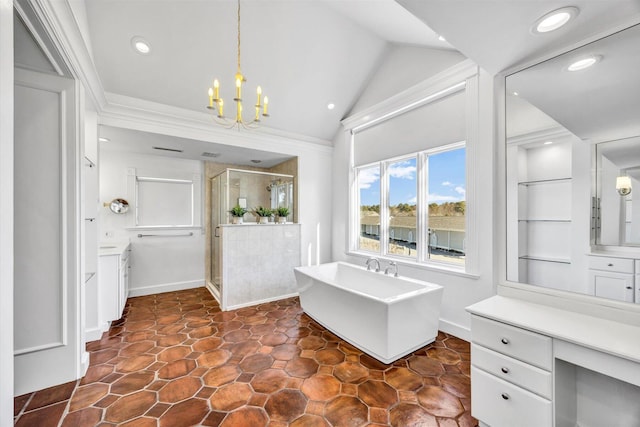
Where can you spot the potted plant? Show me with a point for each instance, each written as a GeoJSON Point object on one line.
{"type": "Point", "coordinates": [282, 213]}
{"type": "Point", "coordinates": [263, 214]}
{"type": "Point", "coordinates": [237, 214]}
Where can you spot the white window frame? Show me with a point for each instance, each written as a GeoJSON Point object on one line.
{"type": "Point", "coordinates": [194, 181]}
{"type": "Point", "coordinates": [463, 76]}
{"type": "Point", "coordinates": [422, 210]}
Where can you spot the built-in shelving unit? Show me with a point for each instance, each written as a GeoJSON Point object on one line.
{"type": "Point", "coordinates": [542, 213]}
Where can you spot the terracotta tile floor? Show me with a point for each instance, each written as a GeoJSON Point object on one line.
{"type": "Point", "coordinates": [175, 359]}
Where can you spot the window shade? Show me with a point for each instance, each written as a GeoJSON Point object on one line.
{"type": "Point", "coordinates": [431, 125]}
{"type": "Point", "coordinates": [165, 203]}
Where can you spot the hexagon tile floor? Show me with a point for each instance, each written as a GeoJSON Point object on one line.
{"type": "Point", "coordinates": [175, 359]}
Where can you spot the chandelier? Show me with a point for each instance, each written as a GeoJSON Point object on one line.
{"type": "Point", "coordinates": [217, 103]}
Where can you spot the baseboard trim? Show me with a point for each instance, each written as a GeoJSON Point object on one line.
{"type": "Point", "coordinates": [454, 329]}
{"type": "Point", "coordinates": [93, 334]}
{"type": "Point", "coordinates": [262, 301]}
{"type": "Point", "coordinates": [165, 287]}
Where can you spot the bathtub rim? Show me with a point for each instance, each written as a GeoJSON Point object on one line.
{"type": "Point", "coordinates": [426, 287]}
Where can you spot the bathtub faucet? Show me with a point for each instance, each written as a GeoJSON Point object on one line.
{"type": "Point", "coordinates": [395, 268]}
{"type": "Point", "coordinates": [370, 260]}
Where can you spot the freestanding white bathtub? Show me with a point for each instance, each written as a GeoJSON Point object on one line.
{"type": "Point", "coordinates": [386, 317]}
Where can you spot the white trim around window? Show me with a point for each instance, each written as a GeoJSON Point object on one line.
{"type": "Point", "coordinates": [461, 77]}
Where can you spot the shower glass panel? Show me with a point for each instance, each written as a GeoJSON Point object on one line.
{"type": "Point", "coordinates": [253, 189]}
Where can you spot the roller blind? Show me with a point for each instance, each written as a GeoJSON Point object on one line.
{"type": "Point", "coordinates": [164, 202]}
{"type": "Point", "coordinates": [428, 126]}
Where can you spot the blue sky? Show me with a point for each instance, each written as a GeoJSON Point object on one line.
{"type": "Point", "coordinates": [446, 180]}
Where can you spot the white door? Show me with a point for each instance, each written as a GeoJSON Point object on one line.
{"type": "Point", "coordinates": [47, 334]}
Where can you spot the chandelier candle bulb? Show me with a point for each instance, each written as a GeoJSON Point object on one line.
{"type": "Point", "coordinates": [266, 104]}
{"type": "Point", "coordinates": [210, 98]}
{"type": "Point", "coordinates": [221, 108]}
{"type": "Point", "coordinates": [216, 89]}
{"type": "Point", "coordinates": [259, 92]}
{"type": "Point", "coordinates": [238, 90]}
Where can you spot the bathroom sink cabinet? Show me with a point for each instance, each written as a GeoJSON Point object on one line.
{"type": "Point", "coordinates": [542, 366]}
{"type": "Point", "coordinates": [113, 281]}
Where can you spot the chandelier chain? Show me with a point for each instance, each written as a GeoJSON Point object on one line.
{"type": "Point", "coordinates": [239, 71]}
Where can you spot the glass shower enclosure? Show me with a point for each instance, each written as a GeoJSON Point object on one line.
{"type": "Point", "coordinates": [248, 189]}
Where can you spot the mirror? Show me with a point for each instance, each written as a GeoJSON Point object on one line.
{"type": "Point", "coordinates": [618, 174]}
{"type": "Point", "coordinates": [573, 167]}
{"type": "Point", "coordinates": [119, 206]}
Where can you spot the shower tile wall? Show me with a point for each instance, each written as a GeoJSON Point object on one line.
{"type": "Point", "coordinates": [258, 262]}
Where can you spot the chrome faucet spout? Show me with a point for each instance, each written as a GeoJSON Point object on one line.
{"type": "Point", "coordinates": [370, 260]}
{"type": "Point", "coordinates": [395, 268]}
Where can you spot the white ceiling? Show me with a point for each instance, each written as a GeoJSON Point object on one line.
{"type": "Point", "coordinates": [497, 35]}
{"type": "Point", "coordinates": [304, 54]}
{"type": "Point", "coordinates": [139, 142]}
{"type": "Point", "coordinates": [308, 53]}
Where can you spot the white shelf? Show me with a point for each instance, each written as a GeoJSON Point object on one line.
{"type": "Point", "coordinates": [545, 259]}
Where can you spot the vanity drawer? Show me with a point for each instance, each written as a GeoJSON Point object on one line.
{"type": "Point", "coordinates": [521, 374]}
{"type": "Point", "coordinates": [619, 265]}
{"type": "Point", "coordinates": [502, 404]}
{"type": "Point", "coordinates": [521, 344]}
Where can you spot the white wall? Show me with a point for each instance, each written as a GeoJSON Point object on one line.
{"type": "Point", "coordinates": [158, 264]}
{"type": "Point", "coordinates": [6, 213]}
{"type": "Point", "coordinates": [459, 290]}
{"type": "Point", "coordinates": [401, 68]}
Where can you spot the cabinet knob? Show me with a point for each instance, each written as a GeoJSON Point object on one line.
{"type": "Point", "coordinates": [505, 396]}
{"type": "Point", "coordinates": [504, 341]}
{"type": "Point", "coordinates": [505, 370]}
{"type": "Point", "coordinates": [609, 265]}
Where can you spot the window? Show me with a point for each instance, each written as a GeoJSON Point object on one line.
{"type": "Point", "coordinates": [413, 173]}
{"type": "Point", "coordinates": [163, 201]}
{"type": "Point", "coordinates": [396, 229]}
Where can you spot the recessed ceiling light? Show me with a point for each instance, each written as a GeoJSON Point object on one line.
{"type": "Point", "coordinates": [554, 20]}
{"type": "Point", "coordinates": [548, 142]}
{"type": "Point", "coordinates": [442, 39]}
{"type": "Point", "coordinates": [514, 93]}
{"type": "Point", "coordinates": [331, 106]}
{"type": "Point", "coordinates": [584, 63]}
{"type": "Point", "coordinates": [141, 45]}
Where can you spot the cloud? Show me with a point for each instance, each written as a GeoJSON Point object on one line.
{"type": "Point", "coordinates": [366, 177]}
{"type": "Point", "coordinates": [447, 184]}
{"type": "Point", "coordinates": [413, 200]}
{"type": "Point", "coordinates": [404, 170]}
{"type": "Point", "coordinates": [438, 198]}
{"type": "Point", "coordinates": [461, 191]}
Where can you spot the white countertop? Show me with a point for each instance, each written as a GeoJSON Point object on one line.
{"type": "Point", "coordinates": [607, 336]}
{"type": "Point", "coordinates": [614, 254]}
{"type": "Point", "coordinates": [112, 248]}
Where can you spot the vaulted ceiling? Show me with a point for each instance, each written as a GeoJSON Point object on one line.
{"type": "Point", "coordinates": [306, 54]}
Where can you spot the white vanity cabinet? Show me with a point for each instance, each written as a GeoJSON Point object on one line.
{"type": "Point", "coordinates": [113, 281]}
{"type": "Point", "coordinates": [542, 366]}
{"type": "Point", "coordinates": [511, 381]}
{"type": "Point", "coordinates": [612, 277]}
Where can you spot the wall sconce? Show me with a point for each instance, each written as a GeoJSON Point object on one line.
{"type": "Point", "coordinates": [623, 185]}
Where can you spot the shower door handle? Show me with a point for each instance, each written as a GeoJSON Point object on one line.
{"type": "Point", "coordinates": [215, 233]}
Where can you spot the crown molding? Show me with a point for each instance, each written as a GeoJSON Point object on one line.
{"type": "Point", "coordinates": [59, 22]}
{"type": "Point", "coordinates": [137, 114]}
